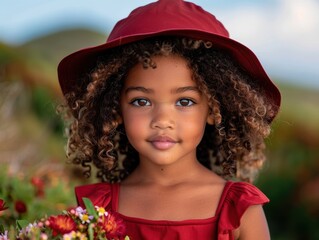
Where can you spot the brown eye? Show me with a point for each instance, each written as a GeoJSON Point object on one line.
{"type": "Point", "coordinates": [141, 102]}
{"type": "Point", "coordinates": [185, 102]}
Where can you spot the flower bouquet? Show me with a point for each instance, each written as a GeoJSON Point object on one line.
{"type": "Point", "coordinates": [90, 223]}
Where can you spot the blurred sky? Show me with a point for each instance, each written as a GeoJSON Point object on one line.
{"type": "Point", "coordinates": [284, 34]}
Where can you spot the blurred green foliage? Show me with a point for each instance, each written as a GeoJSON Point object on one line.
{"type": "Point", "coordinates": [42, 103]}
{"type": "Point", "coordinates": [291, 176]}
{"type": "Point", "coordinates": [32, 198]}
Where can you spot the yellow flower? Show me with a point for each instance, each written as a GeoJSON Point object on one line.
{"type": "Point", "coordinates": [101, 211]}
{"type": "Point", "coordinates": [85, 218]}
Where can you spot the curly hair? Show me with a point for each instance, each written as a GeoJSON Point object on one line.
{"type": "Point", "coordinates": [233, 147]}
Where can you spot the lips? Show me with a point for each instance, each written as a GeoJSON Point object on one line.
{"type": "Point", "coordinates": [162, 142]}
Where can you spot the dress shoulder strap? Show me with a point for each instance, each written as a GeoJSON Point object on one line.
{"type": "Point", "coordinates": [99, 193]}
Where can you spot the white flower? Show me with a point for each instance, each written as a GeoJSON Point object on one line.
{"type": "Point", "coordinates": [43, 236]}
{"type": "Point", "coordinates": [29, 229]}
{"type": "Point", "coordinates": [67, 236]}
{"type": "Point", "coordinates": [4, 236]}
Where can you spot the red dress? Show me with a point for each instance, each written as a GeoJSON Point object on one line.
{"type": "Point", "coordinates": [235, 199]}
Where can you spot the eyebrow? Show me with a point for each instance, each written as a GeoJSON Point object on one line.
{"type": "Point", "coordinates": [185, 89]}
{"type": "Point", "coordinates": [139, 89]}
{"type": "Point", "coordinates": [148, 90]}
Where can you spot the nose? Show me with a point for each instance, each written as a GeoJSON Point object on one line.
{"type": "Point", "coordinates": [162, 118]}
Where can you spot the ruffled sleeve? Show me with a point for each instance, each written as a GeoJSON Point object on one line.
{"type": "Point", "coordinates": [239, 196]}
{"type": "Point", "coordinates": [99, 193]}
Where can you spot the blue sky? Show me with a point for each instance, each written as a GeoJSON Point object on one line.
{"type": "Point", "coordinates": [284, 34]}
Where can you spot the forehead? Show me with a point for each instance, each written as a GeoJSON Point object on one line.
{"type": "Point", "coordinates": [169, 69]}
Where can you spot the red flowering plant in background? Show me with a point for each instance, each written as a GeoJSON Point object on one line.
{"type": "Point", "coordinates": [2, 231]}
{"type": "Point", "coordinates": [39, 185]}
{"type": "Point", "coordinates": [2, 205]}
{"type": "Point", "coordinates": [22, 196]}
{"type": "Point", "coordinates": [33, 196]}
{"type": "Point", "coordinates": [90, 223]}
{"type": "Point", "coordinates": [20, 206]}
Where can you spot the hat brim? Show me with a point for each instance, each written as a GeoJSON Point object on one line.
{"type": "Point", "coordinates": [74, 66]}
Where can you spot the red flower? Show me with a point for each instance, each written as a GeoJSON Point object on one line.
{"type": "Point", "coordinates": [114, 226]}
{"type": "Point", "coordinates": [61, 224]}
{"type": "Point", "coordinates": [20, 206]}
{"type": "Point", "coordinates": [38, 185]}
{"type": "Point", "coordinates": [2, 205]}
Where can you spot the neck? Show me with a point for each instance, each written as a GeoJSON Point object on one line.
{"type": "Point", "coordinates": [166, 175]}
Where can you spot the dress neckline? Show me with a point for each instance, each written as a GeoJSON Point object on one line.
{"type": "Point", "coordinates": [115, 190]}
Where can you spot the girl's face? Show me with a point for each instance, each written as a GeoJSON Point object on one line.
{"type": "Point", "coordinates": [163, 112]}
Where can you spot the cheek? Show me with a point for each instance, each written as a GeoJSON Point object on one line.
{"type": "Point", "coordinates": [135, 131]}
{"type": "Point", "coordinates": [133, 124]}
{"type": "Point", "coordinates": [194, 128]}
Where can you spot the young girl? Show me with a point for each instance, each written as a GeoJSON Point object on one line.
{"type": "Point", "coordinates": [171, 111]}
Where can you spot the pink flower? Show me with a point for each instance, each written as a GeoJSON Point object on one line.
{"type": "Point", "coordinates": [61, 224]}
{"type": "Point", "coordinates": [79, 210]}
{"type": "Point", "coordinates": [4, 236]}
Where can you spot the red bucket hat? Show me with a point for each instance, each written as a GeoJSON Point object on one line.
{"type": "Point", "coordinates": [167, 18]}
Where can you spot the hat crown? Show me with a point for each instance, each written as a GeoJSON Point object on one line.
{"type": "Point", "coordinates": [164, 16]}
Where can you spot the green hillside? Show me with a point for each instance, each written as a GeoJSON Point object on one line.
{"type": "Point", "coordinates": [301, 104]}
{"type": "Point", "coordinates": [36, 61]}
{"type": "Point", "coordinates": [55, 46]}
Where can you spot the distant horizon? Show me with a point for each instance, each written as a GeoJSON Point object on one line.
{"type": "Point", "coordinates": [282, 33]}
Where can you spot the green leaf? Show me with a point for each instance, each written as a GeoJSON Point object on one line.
{"type": "Point", "coordinates": [90, 230]}
{"type": "Point", "coordinates": [1, 228]}
{"type": "Point", "coordinates": [90, 208]}
{"type": "Point", "coordinates": [127, 238]}
{"type": "Point", "coordinates": [22, 224]}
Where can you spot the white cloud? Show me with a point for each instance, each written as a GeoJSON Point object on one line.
{"type": "Point", "coordinates": [301, 23]}
{"type": "Point", "coordinates": [284, 35]}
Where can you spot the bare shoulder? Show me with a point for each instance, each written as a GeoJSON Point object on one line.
{"type": "Point", "coordinates": [253, 225]}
